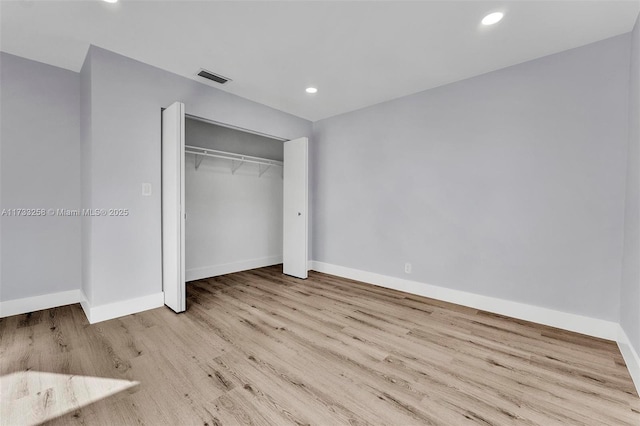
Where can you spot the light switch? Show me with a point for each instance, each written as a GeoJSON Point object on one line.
{"type": "Point", "coordinates": [146, 189]}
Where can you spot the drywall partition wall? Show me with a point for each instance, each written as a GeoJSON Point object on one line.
{"type": "Point", "coordinates": [40, 169]}
{"type": "Point", "coordinates": [126, 100]}
{"type": "Point", "coordinates": [630, 292]}
{"type": "Point", "coordinates": [85, 172]}
{"type": "Point", "coordinates": [509, 185]}
{"type": "Point", "coordinates": [234, 221]}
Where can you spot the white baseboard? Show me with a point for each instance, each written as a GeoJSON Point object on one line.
{"type": "Point", "coordinates": [631, 357]}
{"type": "Point", "coordinates": [125, 307]}
{"type": "Point", "coordinates": [229, 268]}
{"type": "Point", "coordinates": [572, 322]}
{"type": "Point", "coordinates": [38, 303]}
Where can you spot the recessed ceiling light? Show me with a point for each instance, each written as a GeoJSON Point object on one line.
{"type": "Point", "coordinates": [111, 1]}
{"type": "Point", "coordinates": [311, 90]}
{"type": "Point", "coordinates": [492, 18]}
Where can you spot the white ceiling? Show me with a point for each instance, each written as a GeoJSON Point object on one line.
{"type": "Point", "coordinates": [357, 53]}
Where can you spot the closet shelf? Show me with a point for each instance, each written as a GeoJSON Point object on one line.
{"type": "Point", "coordinates": [237, 160]}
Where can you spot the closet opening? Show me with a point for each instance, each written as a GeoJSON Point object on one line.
{"type": "Point", "coordinates": [233, 199]}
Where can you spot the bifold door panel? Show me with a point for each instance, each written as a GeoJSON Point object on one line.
{"type": "Point", "coordinates": [295, 225]}
{"type": "Point", "coordinates": [173, 215]}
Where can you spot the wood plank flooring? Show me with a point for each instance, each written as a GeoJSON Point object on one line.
{"type": "Point", "coordinates": [261, 348]}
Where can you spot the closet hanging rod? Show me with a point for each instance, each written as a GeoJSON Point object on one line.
{"type": "Point", "coordinates": [231, 156]}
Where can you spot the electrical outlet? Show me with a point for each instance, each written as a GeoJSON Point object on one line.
{"type": "Point", "coordinates": [407, 268]}
{"type": "Point", "coordinates": [146, 189]}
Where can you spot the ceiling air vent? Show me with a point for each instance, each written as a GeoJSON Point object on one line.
{"type": "Point", "coordinates": [213, 77]}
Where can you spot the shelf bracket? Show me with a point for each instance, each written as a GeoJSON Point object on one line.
{"type": "Point", "coordinates": [199, 159]}
{"type": "Point", "coordinates": [235, 165]}
{"type": "Point", "coordinates": [262, 169]}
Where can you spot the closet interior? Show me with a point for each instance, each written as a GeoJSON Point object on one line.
{"type": "Point", "coordinates": [233, 200]}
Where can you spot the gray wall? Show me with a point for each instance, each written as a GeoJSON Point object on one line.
{"type": "Point", "coordinates": [630, 293]}
{"type": "Point", "coordinates": [231, 218]}
{"type": "Point", "coordinates": [510, 184]}
{"type": "Point", "coordinates": [40, 168]}
{"type": "Point", "coordinates": [126, 100]}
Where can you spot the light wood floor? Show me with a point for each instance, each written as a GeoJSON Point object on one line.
{"type": "Point", "coordinates": [260, 348]}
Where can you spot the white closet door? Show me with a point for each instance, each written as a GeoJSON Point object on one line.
{"type": "Point", "coordinates": [173, 273]}
{"type": "Point", "coordinates": [295, 208]}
